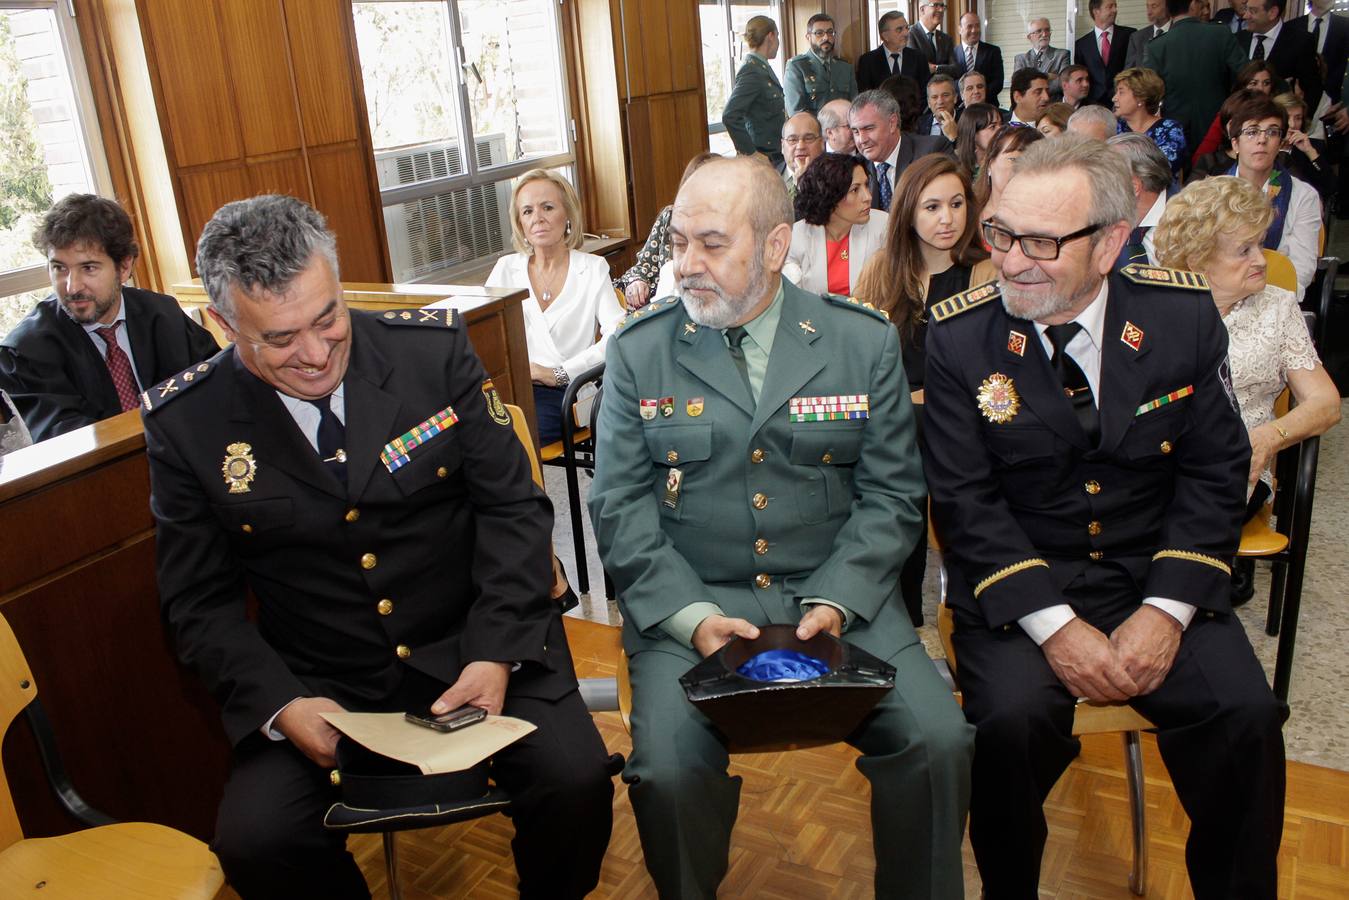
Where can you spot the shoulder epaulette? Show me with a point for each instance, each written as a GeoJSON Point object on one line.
{"type": "Point", "coordinates": [1156, 275]}
{"type": "Point", "coordinates": [431, 318]}
{"type": "Point", "coordinates": [650, 311]}
{"type": "Point", "coordinates": [965, 300]}
{"type": "Point", "coordinates": [176, 386]}
{"type": "Point", "coordinates": [858, 305]}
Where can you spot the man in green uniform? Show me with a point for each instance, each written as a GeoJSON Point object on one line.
{"type": "Point", "coordinates": [780, 486]}
{"type": "Point", "coordinates": [818, 76]}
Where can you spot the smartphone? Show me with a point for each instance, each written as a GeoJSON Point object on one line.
{"type": "Point", "coordinates": [453, 720]}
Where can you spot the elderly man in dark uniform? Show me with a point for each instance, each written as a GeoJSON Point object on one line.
{"type": "Point", "coordinates": [1087, 468]}
{"type": "Point", "coordinates": [85, 353]}
{"type": "Point", "coordinates": [780, 486]}
{"type": "Point", "coordinates": [359, 476]}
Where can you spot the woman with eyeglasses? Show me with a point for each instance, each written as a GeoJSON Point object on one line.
{"type": "Point", "coordinates": [1256, 129]}
{"type": "Point", "coordinates": [974, 132]}
{"type": "Point", "coordinates": [755, 111]}
{"type": "Point", "coordinates": [1216, 227]}
{"type": "Point", "coordinates": [836, 231]}
{"type": "Point", "coordinates": [930, 253]}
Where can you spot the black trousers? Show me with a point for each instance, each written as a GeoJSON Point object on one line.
{"type": "Point", "coordinates": [1218, 729]}
{"type": "Point", "coordinates": [272, 844]}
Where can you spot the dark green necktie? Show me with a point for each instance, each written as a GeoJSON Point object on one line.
{"type": "Point", "coordinates": [735, 336]}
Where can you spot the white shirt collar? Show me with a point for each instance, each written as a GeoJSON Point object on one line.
{"type": "Point", "coordinates": [1092, 319]}
{"type": "Point", "coordinates": [894, 157]}
{"type": "Point", "coordinates": [1270, 36]}
{"type": "Point", "coordinates": [1100, 31]}
{"type": "Point", "coordinates": [1154, 215]}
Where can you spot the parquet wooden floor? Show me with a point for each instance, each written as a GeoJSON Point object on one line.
{"type": "Point", "coordinates": [804, 832]}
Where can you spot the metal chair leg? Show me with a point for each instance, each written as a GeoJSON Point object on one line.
{"type": "Point", "coordinates": [578, 539]}
{"type": "Point", "coordinates": [1133, 769]}
{"type": "Point", "coordinates": [391, 864]}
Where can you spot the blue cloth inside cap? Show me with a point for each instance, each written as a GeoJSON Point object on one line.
{"type": "Point", "coordinates": [783, 665]}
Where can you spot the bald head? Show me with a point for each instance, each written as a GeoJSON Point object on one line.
{"type": "Point", "coordinates": [834, 124]}
{"type": "Point", "coordinates": [743, 190]}
{"type": "Point", "coordinates": [801, 142]}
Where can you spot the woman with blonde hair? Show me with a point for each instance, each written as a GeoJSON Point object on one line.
{"type": "Point", "coordinates": [1138, 103]}
{"type": "Point", "coordinates": [570, 294]}
{"type": "Point", "coordinates": [755, 111]}
{"type": "Point", "coordinates": [1216, 227]}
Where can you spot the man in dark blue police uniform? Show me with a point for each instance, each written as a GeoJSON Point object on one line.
{"type": "Point", "coordinates": [1087, 468]}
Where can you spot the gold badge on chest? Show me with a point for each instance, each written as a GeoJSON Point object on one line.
{"type": "Point", "coordinates": [239, 467]}
{"type": "Point", "coordinates": [998, 399]}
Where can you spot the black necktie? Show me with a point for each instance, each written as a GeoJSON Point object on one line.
{"type": "Point", "coordinates": [1075, 385]}
{"type": "Point", "coordinates": [1316, 35]}
{"type": "Point", "coordinates": [894, 63]}
{"type": "Point", "coordinates": [1259, 47]}
{"type": "Point", "coordinates": [735, 336]}
{"type": "Point", "coordinates": [332, 436]}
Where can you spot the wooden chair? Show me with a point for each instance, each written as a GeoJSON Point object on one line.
{"type": "Point", "coordinates": [576, 451]}
{"type": "Point", "coordinates": [107, 859]}
{"type": "Point", "coordinates": [1279, 271]}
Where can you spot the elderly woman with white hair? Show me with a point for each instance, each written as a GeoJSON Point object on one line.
{"type": "Point", "coordinates": [1216, 227]}
{"type": "Point", "coordinates": [570, 295]}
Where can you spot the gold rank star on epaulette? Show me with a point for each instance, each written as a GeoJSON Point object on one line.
{"type": "Point", "coordinates": [165, 391]}
{"type": "Point", "coordinates": [1156, 275]}
{"type": "Point", "coordinates": [650, 311]}
{"type": "Point", "coordinates": [855, 304]}
{"type": "Point", "coordinates": [431, 318]}
{"type": "Point", "coordinates": [965, 300]}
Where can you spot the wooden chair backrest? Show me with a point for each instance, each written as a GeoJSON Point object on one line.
{"type": "Point", "coordinates": [17, 690]}
{"type": "Point", "coordinates": [1280, 271]}
{"type": "Point", "coordinates": [522, 434]}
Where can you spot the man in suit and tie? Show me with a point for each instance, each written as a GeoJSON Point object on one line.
{"type": "Point", "coordinates": [817, 76]}
{"type": "Point", "coordinates": [1289, 50]}
{"type": "Point", "coordinates": [1102, 50]}
{"type": "Point", "coordinates": [1198, 62]}
{"type": "Point", "coordinates": [1233, 17]}
{"type": "Point", "coordinates": [940, 116]}
{"type": "Point", "coordinates": [1159, 20]}
{"type": "Point", "coordinates": [1330, 35]}
{"type": "Point", "coordinates": [357, 474]}
{"type": "Point", "coordinates": [936, 45]}
{"type": "Point", "coordinates": [972, 90]}
{"type": "Point", "coordinates": [886, 150]}
{"type": "Point", "coordinates": [1041, 56]}
{"type": "Point", "coordinates": [1087, 467]}
{"type": "Point", "coordinates": [85, 353]}
{"type": "Point", "coordinates": [892, 57]}
{"type": "Point", "coordinates": [730, 523]}
{"type": "Point", "coordinates": [1151, 174]}
{"type": "Point", "coordinates": [972, 55]}
{"type": "Point", "coordinates": [834, 125]}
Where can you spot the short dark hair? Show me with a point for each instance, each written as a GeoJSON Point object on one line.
{"type": "Point", "coordinates": [1067, 71]}
{"type": "Point", "coordinates": [87, 219]}
{"type": "Point", "coordinates": [1253, 109]}
{"type": "Point", "coordinates": [823, 184]}
{"type": "Point", "coordinates": [1022, 79]}
{"type": "Point", "coordinates": [943, 78]}
{"type": "Point", "coordinates": [818, 17]}
{"type": "Point", "coordinates": [1177, 8]}
{"type": "Point", "coordinates": [889, 17]}
{"type": "Point", "coordinates": [1094, 5]}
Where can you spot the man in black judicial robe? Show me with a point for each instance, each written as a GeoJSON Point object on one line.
{"type": "Point", "coordinates": [357, 473]}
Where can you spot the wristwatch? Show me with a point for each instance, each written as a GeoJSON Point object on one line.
{"type": "Point", "coordinates": [560, 374]}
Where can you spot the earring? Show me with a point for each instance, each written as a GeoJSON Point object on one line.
{"type": "Point", "coordinates": [568, 232]}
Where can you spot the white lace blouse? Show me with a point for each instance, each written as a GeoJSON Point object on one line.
{"type": "Point", "coordinates": [1267, 337]}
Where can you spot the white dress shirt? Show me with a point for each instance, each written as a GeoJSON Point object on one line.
{"type": "Point", "coordinates": [123, 340]}
{"type": "Point", "coordinates": [1270, 37]}
{"type": "Point", "coordinates": [564, 333]}
{"type": "Point", "coordinates": [1110, 31]}
{"type": "Point", "coordinates": [1312, 19]}
{"type": "Point", "coordinates": [1085, 349]}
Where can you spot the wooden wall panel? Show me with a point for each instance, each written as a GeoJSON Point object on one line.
{"type": "Point", "coordinates": [339, 191]}
{"type": "Point", "coordinates": [186, 38]}
{"type": "Point", "coordinates": [254, 35]}
{"type": "Point", "coordinates": [666, 164]}
{"type": "Point", "coordinates": [595, 102]}
{"type": "Point", "coordinates": [281, 175]}
{"type": "Point", "coordinates": [685, 40]}
{"type": "Point", "coordinates": [640, 171]}
{"type": "Point", "coordinates": [631, 55]}
{"type": "Point", "coordinates": [206, 190]}
{"type": "Point", "coordinates": [317, 31]}
{"type": "Point", "coordinates": [655, 46]}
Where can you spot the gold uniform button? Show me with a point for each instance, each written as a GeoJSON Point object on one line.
{"type": "Point", "coordinates": [759, 501]}
{"type": "Point", "coordinates": [335, 777]}
{"type": "Point", "coordinates": [1165, 447]}
{"type": "Point", "coordinates": [757, 456]}
{"type": "Point", "coordinates": [384, 606]}
{"type": "Point", "coordinates": [761, 546]}
{"type": "Point", "coordinates": [352, 515]}
{"type": "Point", "coordinates": [1096, 555]}
{"type": "Point", "coordinates": [1093, 528]}
{"type": "Point", "coordinates": [672, 456]}
{"type": "Point", "coordinates": [403, 651]}
{"type": "Point", "coordinates": [369, 561]}
{"type": "Point", "coordinates": [827, 458]}
{"type": "Point", "coordinates": [248, 529]}
{"type": "Point", "coordinates": [763, 581]}
{"type": "Point", "coordinates": [1093, 487]}
{"type": "Point", "coordinates": [442, 472]}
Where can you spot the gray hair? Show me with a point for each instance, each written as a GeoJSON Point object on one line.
{"type": "Point", "coordinates": [262, 243]}
{"type": "Point", "coordinates": [1149, 165]}
{"type": "Point", "coordinates": [1107, 173]}
{"type": "Point", "coordinates": [1098, 115]}
{"type": "Point", "coordinates": [972, 72]}
{"type": "Point", "coordinates": [829, 118]}
{"type": "Point", "coordinates": [940, 78]}
{"type": "Point", "coordinates": [884, 102]}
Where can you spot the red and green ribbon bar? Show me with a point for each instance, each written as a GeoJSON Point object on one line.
{"type": "Point", "coordinates": [1162, 401]}
{"type": "Point", "coordinates": [398, 452]}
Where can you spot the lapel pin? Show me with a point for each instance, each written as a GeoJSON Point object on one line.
{"type": "Point", "coordinates": [239, 467]}
{"type": "Point", "coordinates": [807, 327]}
{"type": "Point", "coordinates": [1016, 343]}
{"type": "Point", "coordinates": [690, 328]}
{"type": "Point", "coordinates": [1132, 335]}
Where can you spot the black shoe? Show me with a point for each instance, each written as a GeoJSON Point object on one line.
{"type": "Point", "coordinates": [1243, 581]}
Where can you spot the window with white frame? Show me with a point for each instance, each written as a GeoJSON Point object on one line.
{"type": "Point", "coordinates": [722, 26]}
{"type": "Point", "coordinates": [49, 140]}
{"type": "Point", "coordinates": [462, 97]}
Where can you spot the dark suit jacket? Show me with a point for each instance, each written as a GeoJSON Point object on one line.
{"type": "Point", "coordinates": [1198, 62]}
{"type": "Point", "coordinates": [1138, 44]}
{"type": "Point", "coordinates": [911, 147]}
{"type": "Point", "coordinates": [1292, 56]}
{"type": "Point", "coordinates": [987, 60]}
{"type": "Point", "coordinates": [58, 379]}
{"type": "Point", "coordinates": [939, 48]}
{"type": "Point", "coordinates": [456, 539]}
{"type": "Point", "coordinates": [1007, 496]}
{"type": "Point", "coordinates": [1335, 52]}
{"type": "Point", "coordinates": [873, 67]}
{"type": "Point", "coordinates": [1229, 19]}
{"type": "Point", "coordinates": [1087, 53]}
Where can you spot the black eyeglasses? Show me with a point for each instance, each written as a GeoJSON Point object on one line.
{"type": "Point", "coordinates": [1035, 246]}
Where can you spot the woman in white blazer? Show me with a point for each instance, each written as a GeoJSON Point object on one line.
{"type": "Point", "coordinates": [837, 230]}
{"type": "Point", "coordinates": [570, 294]}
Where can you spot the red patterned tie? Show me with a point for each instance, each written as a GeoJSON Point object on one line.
{"type": "Point", "coordinates": [1105, 47]}
{"type": "Point", "coordinates": [119, 367]}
